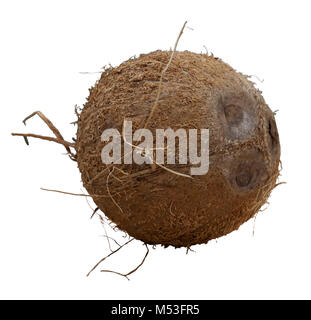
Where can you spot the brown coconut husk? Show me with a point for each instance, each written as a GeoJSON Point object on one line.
{"type": "Point", "coordinates": [198, 91]}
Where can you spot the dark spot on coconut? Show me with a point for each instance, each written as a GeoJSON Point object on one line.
{"type": "Point", "coordinates": [234, 114]}
{"type": "Point", "coordinates": [243, 178]}
{"type": "Point", "coordinates": [273, 138]}
{"type": "Point", "coordinates": [273, 132]}
{"type": "Point", "coordinates": [247, 171]}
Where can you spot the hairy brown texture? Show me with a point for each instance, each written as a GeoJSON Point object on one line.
{"type": "Point", "coordinates": [198, 91]}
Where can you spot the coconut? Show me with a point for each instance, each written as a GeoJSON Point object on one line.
{"type": "Point", "coordinates": [164, 204]}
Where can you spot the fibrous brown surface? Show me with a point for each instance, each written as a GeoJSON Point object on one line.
{"type": "Point", "coordinates": [198, 91]}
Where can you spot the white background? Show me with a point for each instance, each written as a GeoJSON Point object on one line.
{"type": "Point", "coordinates": [47, 241]}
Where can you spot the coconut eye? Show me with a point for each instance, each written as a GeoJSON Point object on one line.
{"type": "Point", "coordinates": [273, 133]}
{"type": "Point", "coordinates": [234, 114]}
{"type": "Point", "coordinates": [237, 114]}
{"type": "Point", "coordinates": [243, 179]}
{"type": "Point", "coordinates": [273, 138]}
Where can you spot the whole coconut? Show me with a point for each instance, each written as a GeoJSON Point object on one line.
{"type": "Point", "coordinates": [198, 91]}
